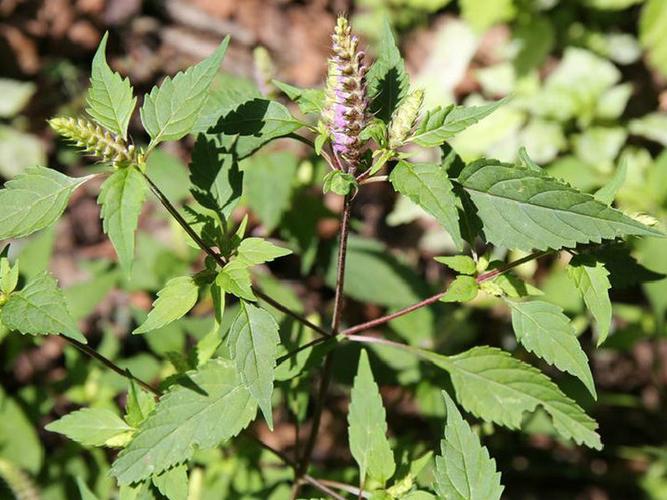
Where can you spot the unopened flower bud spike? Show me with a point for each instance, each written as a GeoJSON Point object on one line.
{"type": "Point", "coordinates": [100, 143]}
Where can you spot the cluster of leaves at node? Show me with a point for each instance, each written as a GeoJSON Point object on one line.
{"type": "Point", "coordinates": [216, 393]}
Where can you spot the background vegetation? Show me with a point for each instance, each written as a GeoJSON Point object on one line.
{"type": "Point", "coordinates": [589, 86]}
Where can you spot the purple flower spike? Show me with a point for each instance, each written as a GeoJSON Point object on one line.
{"type": "Point", "coordinates": [346, 110]}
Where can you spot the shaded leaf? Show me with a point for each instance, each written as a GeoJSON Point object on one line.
{"type": "Point", "coordinates": [84, 491]}
{"type": "Point", "coordinates": [387, 79]}
{"type": "Point", "coordinates": [215, 176]}
{"type": "Point", "coordinates": [373, 275]}
{"type": "Point", "coordinates": [253, 123]}
{"type": "Point", "coordinates": [267, 184]}
{"type": "Point", "coordinates": [592, 281]}
{"type": "Point", "coordinates": [138, 405]}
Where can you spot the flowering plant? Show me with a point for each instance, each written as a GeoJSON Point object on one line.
{"type": "Point", "coordinates": [366, 127]}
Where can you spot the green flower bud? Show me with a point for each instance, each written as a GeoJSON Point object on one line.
{"type": "Point", "coordinates": [404, 118]}
{"type": "Point", "coordinates": [100, 143]}
{"type": "Point", "coordinates": [265, 71]}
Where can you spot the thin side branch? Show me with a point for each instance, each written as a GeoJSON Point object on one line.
{"type": "Point", "coordinates": [377, 178]}
{"type": "Point", "coordinates": [111, 365]}
{"type": "Point", "coordinates": [385, 319]}
{"type": "Point", "coordinates": [316, 483]}
{"type": "Point", "coordinates": [494, 273]}
{"type": "Point", "coordinates": [220, 260]}
{"type": "Point", "coordinates": [312, 343]}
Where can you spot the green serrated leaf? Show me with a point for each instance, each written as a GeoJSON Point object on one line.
{"type": "Point", "coordinates": [177, 297]}
{"type": "Point", "coordinates": [213, 406]}
{"type": "Point", "coordinates": [121, 198]}
{"type": "Point", "coordinates": [171, 111]}
{"type": "Point", "coordinates": [268, 185]}
{"type": "Point", "coordinates": [592, 281]}
{"type": "Point", "coordinates": [253, 123]}
{"type": "Point", "coordinates": [9, 275]}
{"type": "Point", "coordinates": [428, 185]}
{"type": "Point", "coordinates": [440, 124]}
{"type": "Point", "coordinates": [215, 176]}
{"type": "Point", "coordinates": [84, 491]}
{"type": "Point", "coordinates": [339, 182]}
{"type": "Point", "coordinates": [543, 329]}
{"type": "Point", "coordinates": [367, 426]}
{"type": "Point", "coordinates": [459, 263]}
{"type": "Point", "coordinates": [254, 251]}
{"type": "Point", "coordinates": [387, 79]}
{"type": "Point", "coordinates": [309, 100]}
{"type": "Point", "coordinates": [34, 200]}
{"type": "Point", "coordinates": [462, 289]}
{"type": "Point", "coordinates": [110, 102]}
{"type": "Point", "coordinates": [374, 275]}
{"type": "Point", "coordinates": [496, 387]}
{"type": "Point", "coordinates": [173, 483]}
{"type": "Point", "coordinates": [138, 406]}
{"type": "Point", "coordinates": [464, 470]}
{"type": "Point", "coordinates": [253, 345]}
{"type": "Point", "coordinates": [234, 278]}
{"type": "Point", "coordinates": [90, 426]}
{"type": "Point", "coordinates": [607, 193]}
{"type": "Point", "coordinates": [40, 309]}
{"type": "Point", "coordinates": [526, 209]}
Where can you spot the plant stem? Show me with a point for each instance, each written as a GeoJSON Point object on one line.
{"type": "Point", "coordinates": [220, 260]}
{"type": "Point", "coordinates": [325, 334]}
{"type": "Point", "coordinates": [346, 487]}
{"type": "Point", "coordinates": [317, 483]}
{"type": "Point", "coordinates": [327, 370]}
{"type": "Point", "coordinates": [385, 319]}
{"type": "Point", "coordinates": [489, 275]}
{"type": "Point", "coordinates": [494, 273]}
{"type": "Point", "coordinates": [173, 211]}
{"type": "Point", "coordinates": [310, 143]}
{"type": "Point", "coordinates": [340, 273]}
{"type": "Point", "coordinates": [379, 340]}
{"type": "Point", "coordinates": [303, 347]}
{"type": "Point", "coordinates": [377, 178]}
{"type": "Point", "coordinates": [111, 365]}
